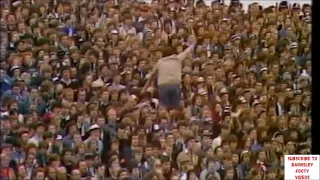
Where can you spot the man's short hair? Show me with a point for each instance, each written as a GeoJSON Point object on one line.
{"type": "Point", "coordinates": [164, 159]}
{"type": "Point", "coordinates": [167, 51]}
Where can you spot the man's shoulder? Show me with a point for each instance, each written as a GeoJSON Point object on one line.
{"type": "Point", "coordinates": [174, 56]}
{"type": "Point", "coordinates": [217, 139]}
{"type": "Point", "coordinates": [86, 141]}
{"type": "Point", "coordinates": [164, 59]}
{"type": "Point", "coordinates": [7, 93]}
{"type": "Point", "coordinates": [32, 140]}
{"type": "Point", "coordinates": [203, 172]}
{"type": "Point", "coordinates": [182, 153]}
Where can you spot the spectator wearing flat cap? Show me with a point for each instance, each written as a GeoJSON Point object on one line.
{"type": "Point", "coordinates": [94, 137]}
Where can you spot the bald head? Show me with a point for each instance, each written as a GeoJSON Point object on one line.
{"type": "Point", "coordinates": [61, 170]}
{"type": "Point", "coordinates": [76, 174]}
{"type": "Point", "coordinates": [62, 173]}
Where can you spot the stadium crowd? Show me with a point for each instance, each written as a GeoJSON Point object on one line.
{"type": "Point", "coordinates": [166, 90]}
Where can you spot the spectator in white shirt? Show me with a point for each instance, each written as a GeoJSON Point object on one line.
{"type": "Point", "coordinates": [116, 83]}
{"type": "Point", "coordinates": [38, 136]}
{"type": "Point", "coordinates": [126, 27]}
{"type": "Point", "coordinates": [225, 130]}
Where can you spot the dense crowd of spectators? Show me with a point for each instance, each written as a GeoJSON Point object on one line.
{"type": "Point", "coordinates": [80, 99]}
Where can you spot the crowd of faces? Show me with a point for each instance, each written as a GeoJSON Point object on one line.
{"type": "Point", "coordinates": [74, 104]}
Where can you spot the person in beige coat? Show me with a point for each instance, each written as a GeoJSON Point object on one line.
{"type": "Point", "coordinates": [169, 70]}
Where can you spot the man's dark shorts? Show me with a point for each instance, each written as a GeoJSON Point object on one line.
{"type": "Point", "coordinates": [170, 95]}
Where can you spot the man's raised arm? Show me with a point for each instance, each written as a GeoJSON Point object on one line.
{"type": "Point", "coordinates": [187, 51]}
